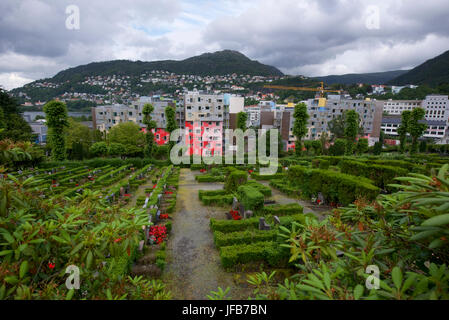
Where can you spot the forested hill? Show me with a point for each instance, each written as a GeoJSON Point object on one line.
{"type": "Point", "coordinates": [218, 63]}
{"type": "Point", "coordinates": [433, 72]}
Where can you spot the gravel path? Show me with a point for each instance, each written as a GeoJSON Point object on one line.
{"type": "Point", "coordinates": [193, 268]}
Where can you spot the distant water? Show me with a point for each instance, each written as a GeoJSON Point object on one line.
{"type": "Point", "coordinates": [31, 115]}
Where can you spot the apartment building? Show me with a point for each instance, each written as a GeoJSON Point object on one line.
{"type": "Point", "coordinates": [105, 117]}
{"type": "Point", "coordinates": [206, 117]}
{"type": "Point", "coordinates": [395, 107]}
{"type": "Point", "coordinates": [370, 113]}
{"type": "Point", "coordinates": [436, 118]}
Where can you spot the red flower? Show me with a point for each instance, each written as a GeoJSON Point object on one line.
{"type": "Point", "coordinates": [250, 171]}
{"type": "Point", "coordinates": [118, 240]}
{"type": "Point", "coordinates": [51, 265]}
{"type": "Point", "coordinates": [127, 195]}
{"type": "Point", "coordinates": [77, 185]}
{"type": "Point", "coordinates": [154, 187]}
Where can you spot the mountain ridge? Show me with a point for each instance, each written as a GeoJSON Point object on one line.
{"type": "Point", "coordinates": [432, 72]}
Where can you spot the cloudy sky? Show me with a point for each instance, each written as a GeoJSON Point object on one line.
{"type": "Point", "coordinates": [309, 37]}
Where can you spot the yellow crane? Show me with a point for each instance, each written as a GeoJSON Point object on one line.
{"type": "Point", "coordinates": [320, 89]}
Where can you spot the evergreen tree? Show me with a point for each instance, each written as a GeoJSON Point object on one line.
{"type": "Point", "coordinates": [416, 128]}
{"type": "Point", "coordinates": [151, 124]}
{"type": "Point", "coordinates": [300, 125]}
{"type": "Point", "coordinates": [57, 121]}
{"type": "Point", "coordinates": [351, 130]}
{"type": "Point", "coordinates": [403, 129]}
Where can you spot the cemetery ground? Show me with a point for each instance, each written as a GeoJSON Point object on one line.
{"type": "Point", "coordinates": [143, 230]}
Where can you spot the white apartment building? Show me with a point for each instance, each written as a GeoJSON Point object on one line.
{"type": "Point", "coordinates": [437, 115]}
{"type": "Point", "coordinates": [394, 107]}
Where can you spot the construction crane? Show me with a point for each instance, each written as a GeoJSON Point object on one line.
{"type": "Point", "coordinates": [321, 89]}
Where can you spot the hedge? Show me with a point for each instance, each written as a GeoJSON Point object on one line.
{"type": "Point", "coordinates": [335, 187]}
{"type": "Point", "coordinates": [250, 197]}
{"type": "Point", "coordinates": [283, 210]}
{"type": "Point", "coordinates": [257, 176]}
{"type": "Point", "coordinates": [222, 239]}
{"type": "Point", "coordinates": [226, 226]}
{"type": "Point", "coordinates": [235, 179]}
{"type": "Point", "coordinates": [381, 175]}
{"type": "Point", "coordinates": [202, 193]}
{"type": "Point", "coordinates": [209, 178]}
{"type": "Point", "coordinates": [270, 252]}
{"type": "Point", "coordinates": [283, 186]}
{"type": "Point", "coordinates": [266, 191]}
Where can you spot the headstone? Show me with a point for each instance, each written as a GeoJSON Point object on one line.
{"type": "Point", "coordinates": [263, 225]}
{"type": "Point", "coordinates": [241, 209]}
{"type": "Point", "coordinates": [277, 220]}
{"type": "Point", "coordinates": [235, 203]}
{"type": "Point", "coordinates": [320, 198]}
{"type": "Point", "coordinates": [248, 214]}
{"type": "Point", "coordinates": [146, 202]}
{"type": "Point", "coordinates": [141, 244]}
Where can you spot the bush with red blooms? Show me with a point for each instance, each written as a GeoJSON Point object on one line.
{"type": "Point", "coordinates": [159, 233]}
{"type": "Point", "coordinates": [168, 192]}
{"type": "Point", "coordinates": [250, 171]}
{"type": "Point", "coordinates": [203, 170]}
{"type": "Point", "coordinates": [163, 216]}
{"type": "Point", "coordinates": [235, 215]}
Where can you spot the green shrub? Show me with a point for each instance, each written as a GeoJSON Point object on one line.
{"type": "Point", "coordinates": [202, 193]}
{"type": "Point", "coordinates": [209, 178]}
{"type": "Point", "coordinates": [269, 252]}
{"type": "Point", "coordinates": [335, 187]}
{"type": "Point", "coordinates": [250, 197]}
{"type": "Point", "coordinates": [382, 175]}
{"type": "Point", "coordinates": [257, 176]}
{"type": "Point", "coordinates": [283, 186]}
{"type": "Point", "coordinates": [266, 191]}
{"type": "Point", "coordinates": [283, 210]}
{"type": "Point", "coordinates": [242, 237]}
{"type": "Point", "coordinates": [235, 179]}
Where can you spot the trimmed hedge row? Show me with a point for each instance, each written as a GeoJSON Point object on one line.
{"type": "Point", "coordinates": [381, 175]}
{"type": "Point", "coordinates": [283, 209]}
{"type": "Point", "coordinates": [221, 200]}
{"type": "Point", "coordinates": [266, 191]}
{"type": "Point", "coordinates": [253, 223]}
{"type": "Point", "coordinates": [335, 187]}
{"type": "Point", "coordinates": [269, 252]}
{"type": "Point", "coordinates": [209, 178]}
{"type": "Point", "coordinates": [250, 197]}
{"type": "Point", "coordinates": [222, 239]}
{"type": "Point", "coordinates": [283, 186]}
{"type": "Point", "coordinates": [257, 176]}
{"type": "Point", "coordinates": [210, 193]}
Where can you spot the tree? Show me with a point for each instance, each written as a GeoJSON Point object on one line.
{"type": "Point", "coordinates": [317, 146]}
{"type": "Point", "coordinates": [300, 125]}
{"type": "Point", "coordinates": [170, 116]}
{"type": "Point", "coordinates": [56, 115]}
{"type": "Point", "coordinates": [416, 128]}
{"type": "Point", "coordinates": [242, 117]}
{"type": "Point", "coordinates": [337, 127]}
{"type": "Point", "coordinates": [351, 130]}
{"type": "Point", "coordinates": [127, 133]}
{"type": "Point", "coordinates": [79, 138]}
{"type": "Point", "coordinates": [338, 148]}
{"type": "Point", "coordinates": [151, 124]}
{"type": "Point", "coordinates": [362, 146]}
{"type": "Point", "coordinates": [423, 146]}
{"type": "Point", "coordinates": [99, 149]}
{"type": "Point", "coordinates": [13, 125]}
{"type": "Point", "coordinates": [116, 149]}
{"type": "Point", "coordinates": [403, 129]}
{"type": "Point", "coordinates": [377, 150]}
